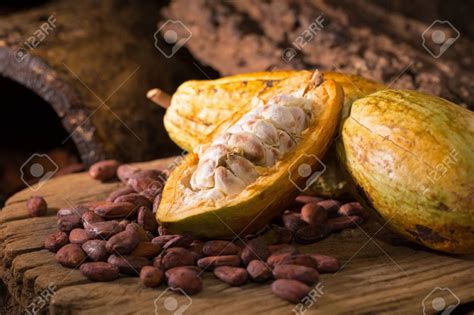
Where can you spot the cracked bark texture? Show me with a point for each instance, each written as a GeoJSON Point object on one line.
{"type": "Point", "coordinates": [357, 37]}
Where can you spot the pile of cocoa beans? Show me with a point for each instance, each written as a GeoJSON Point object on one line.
{"type": "Point", "coordinates": [120, 237]}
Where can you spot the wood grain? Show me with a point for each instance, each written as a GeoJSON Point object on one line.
{"type": "Point", "coordinates": [377, 276]}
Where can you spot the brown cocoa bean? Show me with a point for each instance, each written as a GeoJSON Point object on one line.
{"type": "Point", "coordinates": [290, 290]}
{"type": "Point", "coordinates": [184, 280]}
{"type": "Point", "coordinates": [344, 222]}
{"type": "Point", "coordinates": [117, 210]}
{"type": "Point", "coordinates": [259, 271]}
{"type": "Point", "coordinates": [37, 206]}
{"type": "Point", "coordinates": [162, 230]}
{"type": "Point", "coordinates": [146, 219]}
{"type": "Point", "coordinates": [119, 192]}
{"type": "Point", "coordinates": [123, 223]}
{"type": "Point", "coordinates": [125, 171]}
{"type": "Point", "coordinates": [179, 241]}
{"type": "Point", "coordinates": [55, 241]}
{"type": "Point", "coordinates": [91, 217]}
{"type": "Point", "coordinates": [153, 191]}
{"type": "Point", "coordinates": [135, 199]}
{"type": "Point", "coordinates": [300, 260]}
{"type": "Point", "coordinates": [212, 262]}
{"type": "Point", "coordinates": [235, 276]}
{"type": "Point", "coordinates": [220, 248]}
{"type": "Point", "coordinates": [78, 236]}
{"type": "Point", "coordinates": [254, 249]}
{"type": "Point", "coordinates": [312, 233]}
{"type": "Point", "coordinates": [103, 230]}
{"type": "Point", "coordinates": [95, 250]}
{"type": "Point", "coordinates": [100, 271]}
{"type": "Point", "coordinates": [70, 255]}
{"type": "Point", "coordinates": [326, 263]}
{"type": "Point", "coordinates": [174, 257]}
{"type": "Point", "coordinates": [148, 179]}
{"type": "Point", "coordinates": [312, 213]}
{"type": "Point", "coordinates": [162, 239]}
{"type": "Point", "coordinates": [147, 250]}
{"type": "Point", "coordinates": [282, 248]}
{"type": "Point", "coordinates": [195, 269]}
{"type": "Point", "coordinates": [301, 273]}
{"type": "Point", "coordinates": [284, 234]}
{"type": "Point", "coordinates": [70, 222]}
{"type": "Point", "coordinates": [292, 221]}
{"type": "Point", "coordinates": [151, 276]}
{"type": "Point", "coordinates": [352, 208]}
{"type": "Point", "coordinates": [331, 206]}
{"type": "Point", "coordinates": [104, 170]}
{"type": "Point", "coordinates": [304, 199]}
{"type": "Point", "coordinates": [127, 264]}
{"type": "Point", "coordinates": [142, 234]}
{"type": "Point", "coordinates": [123, 243]}
{"type": "Point", "coordinates": [156, 202]}
{"type": "Point", "coordinates": [277, 258]}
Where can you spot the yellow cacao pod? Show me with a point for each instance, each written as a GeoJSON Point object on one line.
{"type": "Point", "coordinates": [411, 158]}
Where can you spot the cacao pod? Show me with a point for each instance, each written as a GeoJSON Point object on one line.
{"type": "Point", "coordinates": [411, 158]}
{"type": "Point", "coordinates": [305, 113]}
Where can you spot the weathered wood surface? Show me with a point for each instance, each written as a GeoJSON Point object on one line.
{"type": "Point", "coordinates": [377, 277]}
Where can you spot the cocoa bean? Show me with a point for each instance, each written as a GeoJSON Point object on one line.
{"type": "Point", "coordinates": [125, 171]}
{"type": "Point", "coordinates": [146, 218]}
{"type": "Point", "coordinates": [254, 249]}
{"type": "Point", "coordinates": [104, 170]}
{"type": "Point", "coordinates": [103, 230]}
{"type": "Point", "coordinates": [78, 236]}
{"type": "Point", "coordinates": [162, 239]}
{"type": "Point", "coordinates": [277, 258]}
{"type": "Point", "coordinates": [331, 206]}
{"type": "Point", "coordinates": [312, 213]}
{"type": "Point", "coordinates": [123, 243]}
{"type": "Point", "coordinates": [220, 248]}
{"type": "Point", "coordinates": [91, 217]}
{"type": "Point", "coordinates": [300, 260]}
{"type": "Point", "coordinates": [195, 269]}
{"type": "Point", "coordinates": [284, 234]}
{"type": "Point", "coordinates": [55, 241]}
{"type": "Point", "coordinates": [179, 241]}
{"type": "Point", "coordinates": [344, 222]}
{"type": "Point", "coordinates": [174, 257]}
{"type": "Point", "coordinates": [95, 250]}
{"type": "Point", "coordinates": [124, 223]}
{"type": "Point", "coordinates": [304, 199]}
{"type": "Point", "coordinates": [259, 271]}
{"type": "Point", "coordinates": [146, 249]}
{"type": "Point", "coordinates": [149, 179]}
{"type": "Point", "coordinates": [70, 255]}
{"type": "Point", "coordinates": [37, 206]}
{"type": "Point", "coordinates": [135, 199]}
{"type": "Point", "coordinates": [301, 273]}
{"type": "Point", "coordinates": [282, 248]}
{"type": "Point", "coordinates": [162, 230]}
{"type": "Point", "coordinates": [326, 263]}
{"type": "Point", "coordinates": [235, 276]}
{"type": "Point", "coordinates": [290, 290]}
{"type": "Point", "coordinates": [184, 280]}
{"type": "Point", "coordinates": [156, 202]}
{"type": "Point", "coordinates": [142, 234]}
{"type": "Point", "coordinates": [69, 222]}
{"type": "Point", "coordinates": [116, 210]}
{"type": "Point", "coordinates": [312, 233]}
{"type": "Point", "coordinates": [152, 192]}
{"type": "Point", "coordinates": [196, 246]}
{"type": "Point", "coordinates": [292, 221]}
{"type": "Point", "coordinates": [352, 208]}
{"type": "Point", "coordinates": [119, 192]}
{"type": "Point", "coordinates": [212, 262]}
{"type": "Point", "coordinates": [151, 276]}
{"type": "Point", "coordinates": [100, 271]}
{"type": "Point", "coordinates": [76, 211]}
{"type": "Point", "coordinates": [127, 264]}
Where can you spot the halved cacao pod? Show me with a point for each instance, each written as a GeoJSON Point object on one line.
{"type": "Point", "coordinates": [274, 187]}
{"type": "Point", "coordinates": [199, 110]}
{"type": "Point", "coordinates": [411, 158]}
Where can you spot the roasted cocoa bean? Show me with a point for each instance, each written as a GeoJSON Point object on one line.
{"type": "Point", "coordinates": [179, 241]}
{"type": "Point", "coordinates": [235, 276]}
{"type": "Point", "coordinates": [300, 260]}
{"type": "Point", "coordinates": [162, 239]}
{"type": "Point", "coordinates": [37, 206]}
{"type": "Point", "coordinates": [284, 234]}
{"type": "Point", "coordinates": [127, 264]}
{"type": "Point", "coordinates": [146, 219]}
{"type": "Point", "coordinates": [352, 208]}
{"type": "Point", "coordinates": [312, 213]}
{"type": "Point", "coordinates": [117, 210]}
{"type": "Point", "coordinates": [220, 248]}
{"type": "Point", "coordinates": [119, 192]}
{"type": "Point", "coordinates": [304, 199]}
{"type": "Point", "coordinates": [282, 248]}
{"type": "Point", "coordinates": [135, 199]}
{"type": "Point", "coordinates": [78, 236]}
{"type": "Point", "coordinates": [91, 217]}
{"type": "Point", "coordinates": [290, 290]}
{"type": "Point", "coordinates": [184, 279]}
{"type": "Point", "coordinates": [212, 262]}
{"type": "Point", "coordinates": [259, 271]}
{"type": "Point", "coordinates": [151, 276]}
{"type": "Point", "coordinates": [331, 206]}
{"type": "Point", "coordinates": [344, 222]}
{"type": "Point", "coordinates": [254, 249]}
{"type": "Point", "coordinates": [148, 179]}
{"type": "Point", "coordinates": [147, 250]}
{"type": "Point", "coordinates": [70, 255]}
{"type": "Point", "coordinates": [104, 170]}
{"type": "Point", "coordinates": [326, 263]}
{"type": "Point", "coordinates": [301, 273]}
{"type": "Point", "coordinates": [103, 230]}
{"type": "Point", "coordinates": [100, 271]}
{"type": "Point", "coordinates": [95, 250]}
{"type": "Point", "coordinates": [174, 257]}
{"type": "Point", "coordinates": [124, 223]}
{"type": "Point", "coordinates": [195, 269]}
{"type": "Point", "coordinates": [142, 234]}
{"type": "Point", "coordinates": [125, 171]}
{"type": "Point", "coordinates": [123, 243]}
{"type": "Point", "coordinates": [70, 222]}
{"type": "Point", "coordinates": [156, 203]}
{"type": "Point", "coordinates": [312, 233]}
{"type": "Point", "coordinates": [292, 221]}
{"type": "Point", "coordinates": [277, 258]}
{"type": "Point", "coordinates": [152, 192]}
{"type": "Point", "coordinates": [55, 241]}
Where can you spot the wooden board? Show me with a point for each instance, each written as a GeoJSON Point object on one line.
{"type": "Point", "coordinates": [377, 277]}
